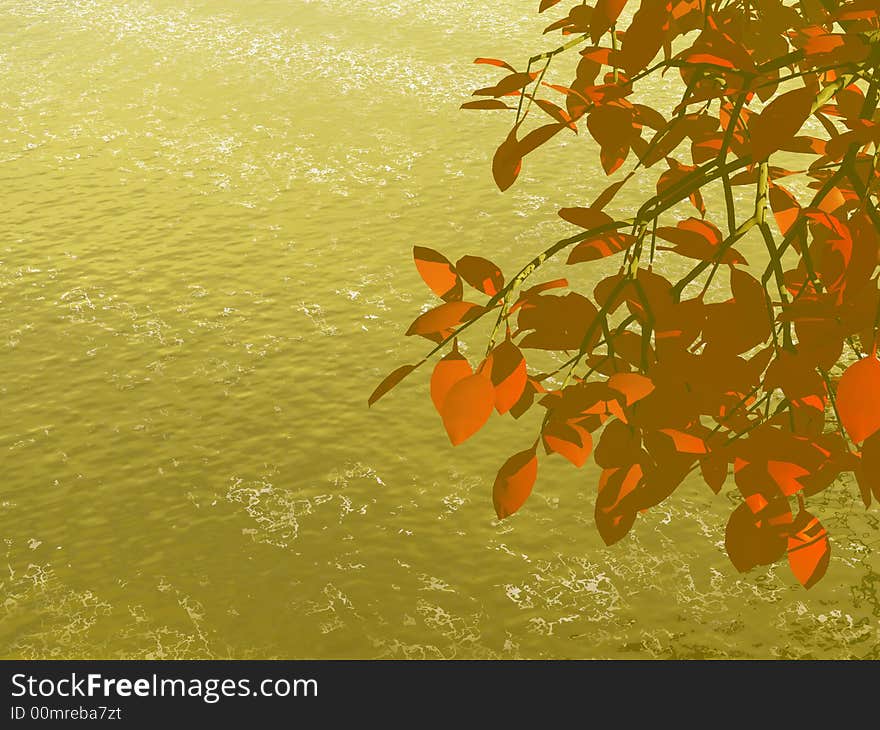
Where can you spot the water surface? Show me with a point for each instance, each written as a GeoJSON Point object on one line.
{"type": "Point", "coordinates": [208, 213]}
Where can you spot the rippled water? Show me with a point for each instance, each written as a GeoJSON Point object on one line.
{"type": "Point", "coordinates": [208, 213]}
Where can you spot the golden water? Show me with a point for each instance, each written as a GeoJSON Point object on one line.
{"type": "Point", "coordinates": [207, 216]}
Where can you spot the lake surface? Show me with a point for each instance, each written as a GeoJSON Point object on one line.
{"type": "Point", "coordinates": [208, 214]}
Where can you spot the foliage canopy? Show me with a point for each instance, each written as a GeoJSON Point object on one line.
{"type": "Point", "coordinates": [777, 382]}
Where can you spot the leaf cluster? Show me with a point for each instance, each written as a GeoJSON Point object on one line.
{"type": "Point", "coordinates": [776, 387]}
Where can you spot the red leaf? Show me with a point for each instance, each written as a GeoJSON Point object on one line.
{"type": "Point", "coordinates": [808, 550]}
{"type": "Point", "coordinates": [437, 272]}
{"type": "Point", "coordinates": [514, 482]}
{"type": "Point", "coordinates": [467, 407]}
{"type": "Point", "coordinates": [481, 274]}
{"type": "Point", "coordinates": [779, 121]}
{"type": "Point", "coordinates": [858, 399]}
{"type": "Point", "coordinates": [447, 372]}
{"type": "Point", "coordinates": [390, 381]}
{"type": "Point", "coordinates": [507, 162]}
{"type": "Point", "coordinates": [508, 375]}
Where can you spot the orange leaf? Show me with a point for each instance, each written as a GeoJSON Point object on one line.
{"type": "Point", "coordinates": [485, 104]}
{"type": "Point", "coordinates": [834, 49]}
{"type": "Point", "coordinates": [545, 4]}
{"type": "Point", "coordinates": [868, 472]}
{"type": "Point", "coordinates": [607, 195]}
{"type": "Point", "coordinates": [447, 372]}
{"type": "Point", "coordinates": [514, 482]}
{"type": "Point", "coordinates": [808, 550]}
{"type": "Point", "coordinates": [858, 399]}
{"type": "Point", "coordinates": [713, 467]}
{"type": "Point", "coordinates": [437, 272]}
{"type": "Point", "coordinates": [569, 440]}
{"type": "Point", "coordinates": [748, 544]}
{"type": "Point", "coordinates": [495, 62]}
{"type": "Point", "coordinates": [611, 126]}
{"type": "Point", "coordinates": [481, 274]}
{"type": "Point", "coordinates": [600, 247]}
{"type": "Point", "coordinates": [779, 121]}
{"type": "Point", "coordinates": [508, 375]}
{"type": "Point", "coordinates": [559, 323]}
{"type": "Point", "coordinates": [527, 399]}
{"type": "Point", "coordinates": [716, 49]}
{"type": "Point", "coordinates": [785, 206]}
{"type": "Point", "coordinates": [467, 406]}
{"type": "Point", "coordinates": [390, 381]}
{"type": "Point", "coordinates": [513, 82]}
{"type": "Point", "coordinates": [537, 137]}
{"type": "Point", "coordinates": [585, 217]}
{"type": "Point", "coordinates": [697, 239]}
{"type": "Point", "coordinates": [545, 286]}
{"type": "Point", "coordinates": [633, 386]}
{"type": "Point", "coordinates": [507, 162]}
{"type": "Point", "coordinates": [686, 443]}
{"type": "Point", "coordinates": [604, 16]}
{"type": "Point", "coordinates": [613, 518]}
{"type": "Point", "coordinates": [618, 446]}
{"type": "Point", "coordinates": [644, 37]}
{"type": "Point", "coordinates": [675, 174]}
{"type": "Point", "coordinates": [443, 319]}
{"type": "Point", "coordinates": [559, 114]}
{"type": "Point", "coordinates": [860, 9]}
{"type": "Point", "coordinates": [786, 476]}
{"type": "Point", "coordinates": [649, 116]}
